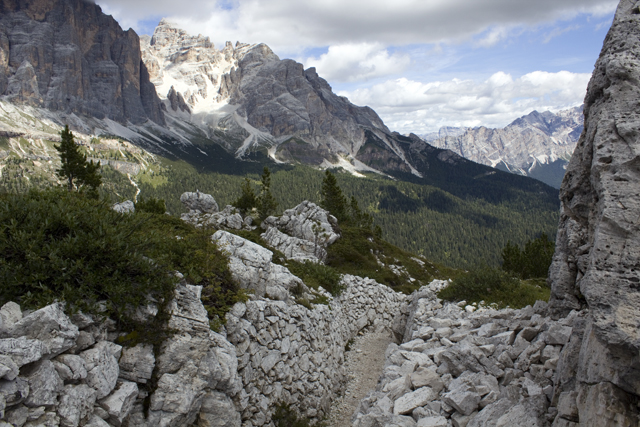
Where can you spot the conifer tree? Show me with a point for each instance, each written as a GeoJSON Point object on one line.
{"type": "Point", "coordinates": [332, 198]}
{"type": "Point", "coordinates": [267, 204]}
{"type": "Point", "coordinates": [247, 199]}
{"type": "Point", "coordinates": [74, 165]}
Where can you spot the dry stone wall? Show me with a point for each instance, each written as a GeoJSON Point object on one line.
{"type": "Point", "coordinates": [290, 354]}
{"type": "Point", "coordinates": [61, 371]}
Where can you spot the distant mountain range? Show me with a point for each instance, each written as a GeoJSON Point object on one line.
{"type": "Point", "coordinates": [538, 145]}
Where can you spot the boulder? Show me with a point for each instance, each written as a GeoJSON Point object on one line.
{"type": "Point", "coordinates": [410, 401]}
{"type": "Point", "coordinates": [49, 325]}
{"type": "Point", "coordinates": [433, 421]}
{"type": "Point", "coordinates": [251, 265]}
{"type": "Point", "coordinates": [293, 247]}
{"type": "Point", "coordinates": [23, 350]}
{"type": "Point", "coordinates": [9, 370]}
{"type": "Point", "coordinates": [102, 370]}
{"type": "Point", "coordinates": [120, 402]}
{"type": "Point", "coordinates": [199, 202]}
{"type": "Point", "coordinates": [137, 363]}
{"type": "Point", "coordinates": [15, 391]}
{"type": "Point", "coordinates": [307, 221]}
{"type": "Point", "coordinates": [70, 367]}
{"type": "Point", "coordinates": [125, 207]}
{"type": "Point", "coordinates": [44, 384]}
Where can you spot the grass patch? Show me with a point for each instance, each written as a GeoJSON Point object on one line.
{"type": "Point", "coordinates": [494, 286]}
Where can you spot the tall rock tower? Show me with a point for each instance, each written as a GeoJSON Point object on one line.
{"type": "Point", "coordinates": [596, 267]}
{"type": "Point", "coordinates": [66, 55]}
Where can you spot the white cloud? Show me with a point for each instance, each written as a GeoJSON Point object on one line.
{"type": "Point", "coordinates": [289, 24]}
{"type": "Point", "coordinates": [358, 62]}
{"type": "Point", "coordinates": [410, 106]}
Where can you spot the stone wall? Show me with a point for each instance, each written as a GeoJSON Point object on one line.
{"type": "Point", "coordinates": [56, 370]}
{"type": "Point", "coordinates": [289, 354]}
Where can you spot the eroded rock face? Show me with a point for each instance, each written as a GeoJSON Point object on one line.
{"type": "Point", "coordinates": [251, 267]}
{"type": "Point", "coordinates": [66, 55]}
{"type": "Point", "coordinates": [597, 259]}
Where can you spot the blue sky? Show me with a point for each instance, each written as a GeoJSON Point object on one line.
{"type": "Point", "coordinates": [420, 64]}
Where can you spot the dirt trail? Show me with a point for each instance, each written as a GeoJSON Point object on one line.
{"type": "Point", "coordinates": [364, 364]}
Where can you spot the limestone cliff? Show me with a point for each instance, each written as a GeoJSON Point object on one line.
{"type": "Point", "coordinates": [597, 261]}
{"type": "Point", "coordinates": [246, 98]}
{"type": "Point", "coordinates": [68, 56]}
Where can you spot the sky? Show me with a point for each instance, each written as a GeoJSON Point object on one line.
{"type": "Point", "coordinates": [420, 64]}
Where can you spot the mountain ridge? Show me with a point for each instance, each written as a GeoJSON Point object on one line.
{"type": "Point", "coordinates": [538, 145]}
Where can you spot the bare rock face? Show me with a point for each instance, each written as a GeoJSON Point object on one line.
{"type": "Point", "coordinates": [66, 55]}
{"type": "Point", "coordinates": [597, 259]}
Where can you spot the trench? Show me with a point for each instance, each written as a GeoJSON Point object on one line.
{"type": "Point", "coordinates": [364, 364]}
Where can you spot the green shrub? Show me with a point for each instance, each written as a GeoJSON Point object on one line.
{"type": "Point", "coordinates": [315, 274]}
{"type": "Point", "coordinates": [151, 205]}
{"type": "Point", "coordinates": [287, 417]}
{"type": "Point", "coordinates": [62, 246]}
{"type": "Point", "coordinates": [494, 286]}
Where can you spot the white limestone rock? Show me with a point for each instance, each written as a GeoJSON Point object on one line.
{"type": "Point", "coordinates": [15, 391]}
{"type": "Point", "coordinates": [300, 222]}
{"type": "Point", "coordinates": [137, 363]}
{"type": "Point", "coordinates": [125, 207]}
{"type": "Point", "coordinates": [293, 247]}
{"type": "Point", "coordinates": [178, 397]}
{"type": "Point", "coordinates": [9, 370]}
{"type": "Point", "coordinates": [433, 421]}
{"type": "Point", "coordinates": [251, 265]}
{"type": "Point", "coordinates": [44, 384]}
{"type": "Point", "coordinates": [199, 202]}
{"type": "Point", "coordinates": [49, 325]}
{"type": "Point", "coordinates": [23, 350]}
{"type": "Point", "coordinates": [75, 367]}
{"type": "Point", "coordinates": [120, 402]}
{"type": "Point", "coordinates": [76, 404]}
{"type": "Point", "coordinates": [218, 410]}
{"type": "Point", "coordinates": [102, 370]}
{"type": "Point", "coordinates": [410, 401]}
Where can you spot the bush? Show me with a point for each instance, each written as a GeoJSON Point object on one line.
{"type": "Point", "coordinates": [286, 417]}
{"type": "Point", "coordinates": [151, 205]}
{"type": "Point", "coordinates": [315, 274]}
{"type": "Point", "coordinates": [492, 285]}
{"type": "Point", "coordinates": [62, 246]}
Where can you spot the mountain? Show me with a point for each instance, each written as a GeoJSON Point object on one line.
{"type": "Point", "coordinates": [247, 99]}
{"type": "Point", "coordinates": [538, 145]}
{"type": "Point", "coordinates": [68, 56]}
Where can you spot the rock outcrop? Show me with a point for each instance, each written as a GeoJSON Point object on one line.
{"type": "Point", "coordinates": [596, 266]}
{"type": "Point", "coordinates": [68, 56]}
